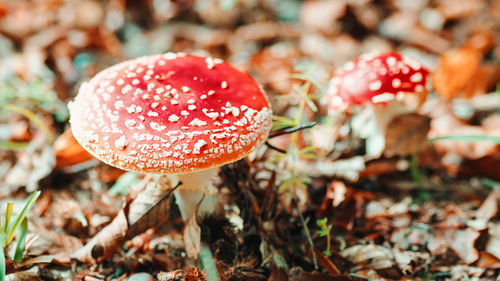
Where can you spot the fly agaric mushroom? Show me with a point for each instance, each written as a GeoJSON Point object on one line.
{"type": "Point", "coordinates": [393, 83]}
{"type": "Point", "coordinates": [171, 114]}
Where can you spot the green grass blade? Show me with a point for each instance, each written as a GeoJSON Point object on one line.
{"type": "Point", "coordinates": [22, 215]}
{"type": "Point", "coordinates": [2, 258]}
{"type": "Point", "coordinates": [490, 183]}
{"type": "Point", "coordinates": [21, 240]}
{"type": "Point", "coordinates": [12, 145]}
{"type": "Point", "coordinates": [208, 263]}
{"type": "Point", "coordinates": [415, 169]}
{"type": "Point", "coordinates": [8, 215]}
{"type": "Point", "coordinates": [467, 138]}
{"type": "Point", "coordinates": [123, 183]}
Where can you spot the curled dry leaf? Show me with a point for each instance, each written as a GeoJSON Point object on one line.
{"type": "Point", "coordinates": [374, 256]}
{"type": "Point", "coordinates": [327, 263]}
{"type": "Point", "coordinates": [406, 134]}
{"type": "Point", "coordinates": [460, 70]}
{"type": "Point", "coordinates": [149, 210]}
{"type": "Point", "coordinates": [455, 70]}
{"type": "Point", "coordinates": [68, 151]}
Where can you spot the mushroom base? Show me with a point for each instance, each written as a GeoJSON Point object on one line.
{"type": "Point", "coordinates": [382, 117]}
{"type": "Point", "coordinates": [197, 188]}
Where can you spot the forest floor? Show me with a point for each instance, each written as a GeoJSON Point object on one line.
{"type": "Point", "coordinates": [316, 208]}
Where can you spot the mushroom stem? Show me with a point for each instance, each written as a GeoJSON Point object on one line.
{"type": "Point", "coordinates": [195, 187]}
{"type": "Point", "coordinates": [382, 115]}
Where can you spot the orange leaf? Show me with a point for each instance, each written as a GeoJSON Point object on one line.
{"type": "Point", "coordinates": [68, 151]}
{"type": "Point", "coordinates": [455, 70]}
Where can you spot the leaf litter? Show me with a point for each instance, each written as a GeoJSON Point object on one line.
{"type": "Point", "coordinates": [424, 211]}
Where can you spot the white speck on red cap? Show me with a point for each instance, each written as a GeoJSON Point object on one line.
{"type": "Point", "coordinates": [375, 78]}
{"type": "Point", "coordinates": [116, 115]}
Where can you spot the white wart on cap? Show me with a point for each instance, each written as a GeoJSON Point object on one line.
{"type": "Point", "coordinates": [170, 114]}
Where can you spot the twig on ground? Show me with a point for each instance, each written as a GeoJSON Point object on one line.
{"type": "Point", "coordinates": [290, 130]}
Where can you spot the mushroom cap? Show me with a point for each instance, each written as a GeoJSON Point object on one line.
{"type": "Point", "coordinates": [375, 78]}
{"type": "Point", "coordinates": [170, 114]}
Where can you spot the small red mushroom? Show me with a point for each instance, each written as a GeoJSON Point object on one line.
{"type": "Point", "coordinates": [386, 81]}
{"type": "Point", "coordinates": [171, 114]}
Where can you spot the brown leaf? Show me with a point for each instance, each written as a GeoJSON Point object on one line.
{"type": "Point", "coordinates": [277, 274]}
{"type": "Point", "coordinates": [132, 220]}
{"type": "Point", "coordinates": [68, 151]}
{"type": "Point", "coordinates": [308, 276]}
{"type": "Point", "coordinates": [379, 167]}
{"type": "Point", "coordinates": [327, 263]}
{"type": "Point", "coordinates": [487, 260]}
{"type": "Point", "coordinates": [192, 236]}
{"type": "Point", "coordinates": [455, 70]}
{"type": "Point", "coordinates": [405, 134]}
{"type": "Point", "coordinates": [106, 242]}
{"type": "Point", "coordinates": [336, 192]}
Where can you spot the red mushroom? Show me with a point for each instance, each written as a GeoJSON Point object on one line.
{"type": "Point", "coordinates": [171, 114]}
{"type": "Point", "coordinates": [387, 81]}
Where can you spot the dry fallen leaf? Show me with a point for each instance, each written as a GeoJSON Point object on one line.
{"type": "Point", "coordinates": [327, 263]}
{"type": "Point", "coordinates": [455, 70]}
{"type": "Point", "coordinates": [68, 151]}
{"type": "Point", "coordinates": [192, 236]}
{"type": "Point", "coordinates": [405, 134]}
{"type": "Point", "coordinates": [460, 69]}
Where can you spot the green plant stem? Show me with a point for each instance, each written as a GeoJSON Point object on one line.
{"type": "Point", "coordinates": [2, 258]}
{"type": "Point", "coordinates": [467, 138]}
{"type": "Point", "coordinates": [21, 216]}
{"type": "Point", "coordinates": [8, 215]}
{"type": "Point", "coordinates": [290, 130]}
{"type": "Point", "coordinates": [208, 263]}
{"type": "Point", "coordinates": [21, 240]}
{"type": "Point", "coordinates": [306, 231]}
{"type": "Point", "coordinates": [12, 145]}
{"type": "Point", "coordinates": [414, 168]}
{"type": "Point", "coordinates": [328, 243]}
